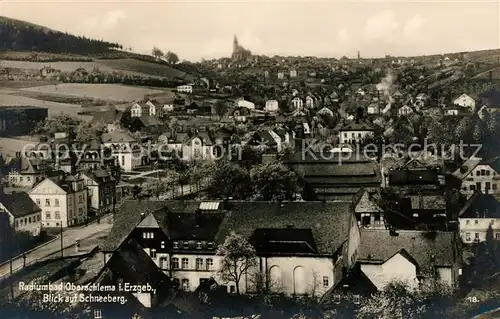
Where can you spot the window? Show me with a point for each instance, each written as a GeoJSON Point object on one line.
{"type": "Point", "coordinates": [476, 222]}
{"type": "Point", "coordinates": [186, 245]}
{"type": "Point", "coordinates": [176, 245]}
{"type": "Point", "coordinates": [123, 160]}
{"type": "Point", "coordinates": [478, 185]}
{"type": "Point", "coordinates": [47, 202]}
{"type": "Point", "coordinates": [163, 263]}
{"type": "Point", "coordinates": [467, 236]}
{"type": "Point", "coordinates": [175, 263]}
{"type": "Point", "coordinates": [37, 218]}
{"type": "Point", "coordinates": [478, 173]}
{"type": "Point", "coordinates": [356, 299]}
{"type": "Point", "coordinates": [467, 222]}
{"type": "Point", "coordinates": [497, 236]}
{"type": "Point", "coordinates": [476, 236]}
{"type": "Point", "coordinates": [47, 215]}
{"type": "Point", "coordinates": [28, 179]}
{"type": "Point", "coordinates": [210, 264]}
{"type": "Point", "coordinates": [199, 264]}
{"type": "Point", "coordinates": [336, 299]}
{"type": "Point", "coordinates": [38, 201]}
{"type": "Point", "coordinates": [488, 186]}
{"type": "Point", "coordinates": [56, 202]}
{"type": "Point", "coordinates": [70, 203]}
{"type": "Point", "coordinates": [185, 284]}
{"type": "Point", "coordinates": [29, 220]}
{"type": "Point", "coordinates": [152, 253]}
{"type": "Point", "coordinates": [487, 173]}
{"type": "Point", "coordinates": [185, 263]}
{"type": "Point", "coordinates": [325, 281]}
{"type": "Point", "coordinates": [345, 135]}
{"type": "Point", "coordinates": [483, 172]}
{"type": "Point", "coordinates": [148, 235]}
{"type": "Point", "coordinates": [232, 289]}
{"type": "Point", "coordinates": [97, 314]}
{"type": "Point", "coordinates": [79, 199]}
{"type": "Point", "coordinates": [58, 215]}
{"type": "Point", "coordinates": [162, 245]}
{"type": "Point", "coordinates": [494, 187]}
{"type": "Point", "coordinates": [210, 245]}
{"type": "Point", "coordinates": [198, 245]}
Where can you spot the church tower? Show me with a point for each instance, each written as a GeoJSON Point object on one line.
{"type": "Point", "coordinates": [235, 44]}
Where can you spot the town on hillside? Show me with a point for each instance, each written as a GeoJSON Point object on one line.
{"type": "Point", "coordinates": [248, 186]}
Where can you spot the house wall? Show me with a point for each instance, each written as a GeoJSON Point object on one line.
{"type": "Point", "coordinates": [348, 137]}
{"type": "Point", "coordinates": [271, 106]}
{"type": "Point", "coordinates": [473, 229]}
{"type": "Point", "coordinates": [127, 156]}
{"type": "Point", "coordinates": [397, 268]}
{"type": "Point", "coordinates": [30, 223]}
{"type": "Point", "coordinates": [492, 178]}
{"type": "Point", "coordinates": [352, 244]}
{"type": "Point", "coordinates": [466, 101]}
{"type": "Point", "coordinates": [301, 275]}
{"type": "Point", "coordinates": [23, 180]}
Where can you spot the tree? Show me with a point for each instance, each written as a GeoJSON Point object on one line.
{"type": "Point", "coordinates": [157, 53]}
{"type": "Point", "coordinates": [87, 132]}
{"type": "Point", "coordinates": [238, 257]}
{"type": "Point", "coordinates": [171, 57]}
{"type": "Point", "coordinates": [221, 108]}
{"type": "Point", "coordinates": [274, 181]}
{"type": "Point", "coordinates": [60, 123]}
{"type": "Point", "coordinates": [230, 180]}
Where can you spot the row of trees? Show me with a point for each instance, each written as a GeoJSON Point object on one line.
{"type": "Point", "coordinates": [20, 36]}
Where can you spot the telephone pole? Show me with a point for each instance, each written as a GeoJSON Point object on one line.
{"type": "Point", "coordinates": [61, 235]}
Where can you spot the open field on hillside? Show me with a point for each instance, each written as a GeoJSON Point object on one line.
{"type": "Point", "coordinates": [126, 66]}
{"type": "Point", "coordinates": [113, 92]}
{"type": "Point", "coordinates": [9, 146]}
{"type": "Point", "coordinates": [24, 84]}
{"type": "Point", "coordinates": [55, 108]}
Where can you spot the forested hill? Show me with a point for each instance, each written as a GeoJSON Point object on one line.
{"type": "Point", "coordinates": [16, 35]}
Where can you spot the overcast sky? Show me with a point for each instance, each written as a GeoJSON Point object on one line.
{"type": "Point", "coordinates": [205, 29]}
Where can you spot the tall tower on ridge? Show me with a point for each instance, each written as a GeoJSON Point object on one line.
{"type": "Point", "coordinates": [235, 44]}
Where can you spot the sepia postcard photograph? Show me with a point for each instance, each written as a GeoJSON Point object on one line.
{"type": "Point", "coordinates": [249, 159]}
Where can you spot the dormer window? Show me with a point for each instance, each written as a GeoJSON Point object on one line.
{"type": "Point", "coordinates": [186, 245]}
{"type": "Point", "coordinates": [210, 245]}
{"type": "Point", "coordinates": [176, 245]}
{"type": "Point", "coordinates": [163, 245]}
{"type": "Point", "coordinates": [198, 245]}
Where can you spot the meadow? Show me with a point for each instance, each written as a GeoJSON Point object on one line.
{"type": "Point", "coordinates": [54, 108]}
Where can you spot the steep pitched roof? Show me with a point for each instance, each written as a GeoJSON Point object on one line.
{"type": "Point", "coordinates": [19, 204]}
{"type": "Point", "coordinates": [117, 137]}
{"type": "Point", "coordinates": [439, 248]}
{"type": "Point", "coordinates": [480, 205]}
{"type": "Point", "coordinates": [467, 167]}
{"type": "Point", "coordinates": [428, 202]}
{"type": "Point", "coordinates": [363, 202]}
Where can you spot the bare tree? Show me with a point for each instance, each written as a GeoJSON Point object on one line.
{"type": "Point", "coordinates": [315, 284]}
{"type": "Point", "coordinates": [238, 256]}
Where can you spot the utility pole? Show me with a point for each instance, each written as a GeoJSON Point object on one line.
{"type": "Point", "coordinates": [61, 234]}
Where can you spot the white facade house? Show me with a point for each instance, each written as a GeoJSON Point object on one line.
{"type": "Point", "coordinates": [124, 148]}
{"type": "Point", "coordinates": [167, 108]}
{"type": "Point", "coordinates": [63, 201]}
{"type": "Point", "coordinates": [136, 110]}
{"type": "Point", "coordinates": [272, 106]}
{"type": "Point", "coordinates": [354, 132]}
{"type": "Point", "coordinates": [480, 215]}
{"type": "Point", "coordinates": [200, 146]}
{"type": "Point", "coordinates": [281, 75]}
{"type": "Point", "coordinates": [247, 104]}
{"type": "Point", "coordinates": [310, 102]}
{"type": "Point", "coordinates": [293, 73]}
{"type": "Point", "coordinates": [151, 108]}
{"type": "Point", "coordinates": [466, 101]}
{"type": "Point", "coordinates": [22, 212]}
{"type": "Point", "coordinates": [297, 103]}
{"type": "Point", "coordinates": [185, 88]}
{"type": "Point", "coordinates": [479, 175]}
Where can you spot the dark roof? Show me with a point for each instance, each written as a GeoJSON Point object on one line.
{"type": "Point", "coordinates": [107, 117]}
{"type": "Point", "coordinates": [283, 241]}
{"type": "Point", "coordinates": [328, 221]}
{"type": "Point", "coordinates": [353, 126]}
{"type": "Point", "coordinates": [480, 205]}
{"type": "Point", "coordinates": [19, 204]}
{"type": "Point", "coordinates": [439, 248]}
{"type": "Point", "coordinates": [149, 120]}
{"type": "Point", "coordinates": [413, 177]}
{"type": "Point", "coordinates": [428, 202]}
{"type": "Point", "coordinates": [262, 136]}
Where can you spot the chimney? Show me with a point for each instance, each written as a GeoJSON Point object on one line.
{"type": "Point", "coordinates": [143, 216]}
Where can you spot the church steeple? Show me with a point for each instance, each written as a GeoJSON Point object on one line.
{"type": "Point", "coordinates": [235, 43]}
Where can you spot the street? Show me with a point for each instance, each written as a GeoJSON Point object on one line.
{"type": "Point", "coordinates": [69, 237]}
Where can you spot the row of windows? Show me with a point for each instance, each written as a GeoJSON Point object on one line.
{"type": "Point", "coordinates": [200, 264]}
{"type": "Point", "coordinates": [57, 215]}
{"type": "Point", "coordinates": [484, 172]}
{"type": "Point", "coordinates": [467, 222]}
{"type": "Point", "coordinates": [478, 186]}
{"type": "Point", "coordinates": [476, 236]}
{"type": "Point", "coordinates": [176, 244]}
{"type": "Point", "coordinates": [14, 179]}
{"type": "Point", "coordinates": [48, 202]}
{"type": "Point", "coordinates": [353, 135]}
{"type": "Point", "coordinates": [26, 220]}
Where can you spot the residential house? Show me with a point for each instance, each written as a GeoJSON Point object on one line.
{"type": "Point", "coordinates": [63, 200]}
{"type": "Point", "coordinates": [479, 174]}
{"type": "Point", "coordinates": [185, 88]}
{"type": "Point", "coordinates": [465, 101]}
{"type": "Point", "coordinates": [297, 103]}
{"type": "Point", "coordinates": [293, 73]}
{"type": "Point", "coordinates": [145, 123]}
{"type": "Point", "coordinates": [281, 75]}
{"type": "Point", "coordinates": [411, 257]}
{"type": "Point", "coordinates": [338, 176]}
{"type": "Point", "coordinates": [198, 146]}
{"type": "Point", "coordinates": [101, 188]}
{"type": "Point", "coordinates": [300, 256]}
{"type": "Point", "coordinates": [452, 110]}
{"type": "Point", "coordinates": [480, 215]}
{"type": "Point", "coordinates": [25, 172]}
{"type": "Point", "coordinates": [23, 213]}
{"type": "Point", "coordinates": [310, 101]}
{"type": "Point", "coordinates": [125, 148]}
{"type": "Point", "coordinates": [354, 132]}
{"type": "Point", "coordinates": [138, 110]}
{"type": "Point", "coordinates": [405, 111]}
{"type": "Point", "coordinates": [368, 212]}
{"type": "Point", "coordinates": [272, 106]}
